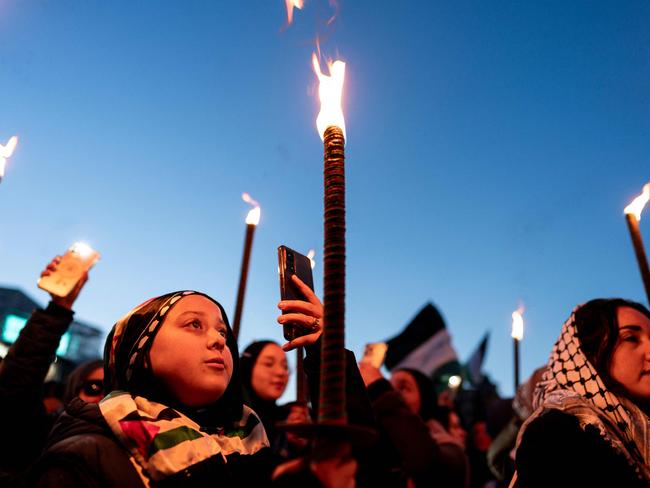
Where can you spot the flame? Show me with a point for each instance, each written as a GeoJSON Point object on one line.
{"type": "Point", "coordinates": [253, 217]}
{"type": "Point", "coordinates": [311, 255]}
{"type": "Point", "coordinates": [636, 207]}
{"type": "Point", "coordinates": [291, 4]}
{"type": "Point", "coordinates": [518, 324]}
{"type": "Point", "coordinates": [5, 153]}
{"type": "Point", "coordinates": [330, 93]}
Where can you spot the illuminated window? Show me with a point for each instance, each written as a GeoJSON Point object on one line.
{"type": "Point", "coordinates": [14, 324]}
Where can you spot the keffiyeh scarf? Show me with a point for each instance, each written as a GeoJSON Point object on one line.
{"type": "Point", "coordinates": [163, 441]}
{"type": "Point", "coordinates": [572, 385]}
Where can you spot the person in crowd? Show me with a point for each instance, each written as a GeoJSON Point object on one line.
{"type": "Point", "coordinates": [174, 413]}
{"type": "Point", "coordinates": [265, 374]}
{"type": "Point", "coordinates": [590, 426]}
{"type": "Point", "coordinates": [22, 376]}
{"type": "Point", "coordinates": [86, 381]}
{"type": "Point", "coordinates": [408, 412]}
{"type": "Point", "coordinates": [501, 453]}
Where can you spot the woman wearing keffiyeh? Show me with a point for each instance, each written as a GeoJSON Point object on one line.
{"type": "Point", "coordinates": [175, 413]}
{"type": "Point", "coordinates": [590, 426]}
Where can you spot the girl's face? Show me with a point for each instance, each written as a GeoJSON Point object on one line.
{"type": "Point", "coordinates": [403, 382]}
{"type": "Point", "coordinates": [270, 373]}
{"type": "Point", "coordinates": [189, 353]}
{"type": "Point", "coordinates": [630, 365]}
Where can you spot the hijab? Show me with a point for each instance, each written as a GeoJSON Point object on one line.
{"type": "Point", "coordinates": [572, 385]}
{"type": "Point", "coordinates": [162, 435]}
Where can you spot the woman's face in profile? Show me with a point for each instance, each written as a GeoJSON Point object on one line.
{"type": "Point", "coordinates": [405, 384]}
{"type": "Point", "coordinates": [630, 365]}
{"type": "Point", "coordinates": [189, 353]}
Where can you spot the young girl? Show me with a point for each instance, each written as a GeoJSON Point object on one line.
{"type": "Point", "coordinates": [175, 413]}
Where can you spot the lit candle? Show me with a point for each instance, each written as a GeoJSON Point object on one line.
{"type": "Point", "coordinates": [5, 153]}
{"type": "Point", "coordinates": [517, 336]}
{"type": "Point", "coordinates": [331, 128]}
{"type": "Point", "coordinates": [633, 216]}
{"type": "Point", "coordinates": [252, 219]}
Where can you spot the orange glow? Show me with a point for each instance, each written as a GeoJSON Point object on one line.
{"type": "Point", "coordinates": [518, 324]}
{"type": "Point", "coordinates": [253, 217]}
{"type": "Point", "coordinates": [330, 93]}
{"type": "Point", "coordinates": [5, 153]}
{"type": "Point", "coordinates": [636, 207]}
{"type": "Point", "coordinates": [291, 4]}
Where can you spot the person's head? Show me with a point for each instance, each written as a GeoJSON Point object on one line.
{"type": "Point", "coordinates": [417, 390]}
{"type": "Point", "coordinates": [265, 371]}
{"type": "Point", "coordinates": [87, 382]}
{"type": "Point", "coordinates": [177, 349]}
{"type": "Point", "coordinates": [614, 335]}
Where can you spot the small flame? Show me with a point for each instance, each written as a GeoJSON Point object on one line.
{"type": "Point", "coordinates": [253, 217]}
{"type": "Point", "coordinates": [6, 152]}
{"type": "Point", "coordinates": [291, 4]}
{"type": "Point", "coordinates": [311, 255]}
{"type": "Point", "coordinates": [518, 324]}
{"type": "Point", "coordinates": [330, 93]}
{"type": "Point", "coordinates": [636, 207]}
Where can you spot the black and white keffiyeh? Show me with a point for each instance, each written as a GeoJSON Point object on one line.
{"type": "Point", "coordinates": [572, 385]}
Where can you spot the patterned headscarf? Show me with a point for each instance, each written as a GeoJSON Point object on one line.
{"type": "Point", "coordinates": [162, 435]}
{"type": "Point", "coordinates": [572, 385]}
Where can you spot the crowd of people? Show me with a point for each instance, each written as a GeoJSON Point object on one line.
{"type": "Point", "coordinates": [173, 402]}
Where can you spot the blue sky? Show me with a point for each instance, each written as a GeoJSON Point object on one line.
{"type": "Point", "coordinates": [491, 149]}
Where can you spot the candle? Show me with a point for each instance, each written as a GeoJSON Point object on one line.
{"type": "Point", "coordinates": [252, 219]}
{"type": "Point", "coordinates": [633, 216]}
{"type": "Point", "coordinates": [5, 153]}
{"type": "Point", "coordinates": [331, 128]}
{"type": "Point", "coordinates": [517, 335]}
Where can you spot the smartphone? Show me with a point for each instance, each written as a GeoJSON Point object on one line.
{"type": "Point", "coordinates": [374, 354]}
{"type": "Point", "coordinates": [292, 262]}
{"type": "Point", "coordinates": [78, 259]}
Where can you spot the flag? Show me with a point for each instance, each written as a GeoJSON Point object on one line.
{"type": "Point", "coordinates": [424, 345]}
{"type": "Point", "coordinates": [474, 365]}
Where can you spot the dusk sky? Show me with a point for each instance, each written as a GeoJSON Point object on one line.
{"type": "Point", "coordinates": [492, 147]}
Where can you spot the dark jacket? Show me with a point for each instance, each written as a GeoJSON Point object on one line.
{"type": "Point", "coordinates": [416, 453]}
{"type": "Point", "coordinates": [556, 451]}
{"type": "Point", "coordinates": [22, 374]}
{"type": "Point", "coordinates": [82, 452]}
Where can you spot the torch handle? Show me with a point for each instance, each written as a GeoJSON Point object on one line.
{"type": "Point", "coordinates": [639, 250]}
{"type": "Point", "coordinates": [332, 379]}
{"type": "Point", "coordinates": [516, 359]}
{"type": "Point", "coordinates": [243, 277]}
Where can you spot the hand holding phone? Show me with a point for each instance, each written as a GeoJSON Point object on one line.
{"type": "Point", "coordinates": [64, 277]}
{"type": "Point", "coordinates": [374, 354]}
{"type": "Point", "coordinates": [302, 311]}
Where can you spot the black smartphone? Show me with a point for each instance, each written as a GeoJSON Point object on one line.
{"type": "Point", "coordinates": [292, 262]}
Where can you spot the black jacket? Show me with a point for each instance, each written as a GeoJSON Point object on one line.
{"type": "Point", "coordinates": [556, 451]}
{"type": "Point", "coordinates": [82, 452]}
{"type": "Point", "coordinates": [415, 452]}
{"type": "Point", "coordinates": [22, 374]}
